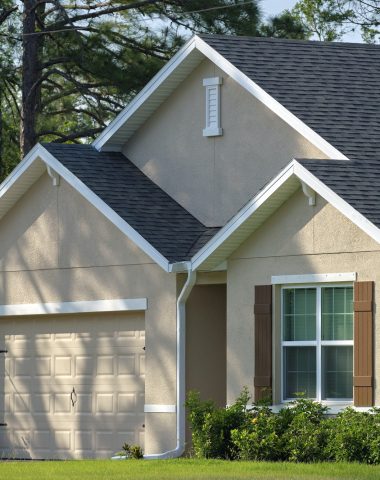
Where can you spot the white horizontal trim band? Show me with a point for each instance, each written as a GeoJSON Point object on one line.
{"type": "Point", "coordinates": [212, 81]}
{"type": "Point", "coordinates": [212, 132]}
{"type": "Point", "coordinates": [119, 305]}
{"type": "Point", "coordinates": [314, 278]}
{"type": "Point", "coordinates": [154, 408]}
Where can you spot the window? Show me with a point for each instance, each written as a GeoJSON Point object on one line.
{"type": "Point", "coordinates": [317, 342]}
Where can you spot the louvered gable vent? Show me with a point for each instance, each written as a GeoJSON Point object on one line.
{"type": "Point", "coordinates": [213, 127]}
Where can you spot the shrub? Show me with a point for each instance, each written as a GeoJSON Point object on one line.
{"type": "Point", "coordinates": [131, 451]}
{"type": "Point", "coordinates": [300, 432]}
{"type": "Point", "coordinates": [355, 436]}
{"type": "Point", "coordinates": [211, 426]}
{"type": "Point", "coordinates": [306, 434]}
{"type": "Point", "coordinates": [259, 439]}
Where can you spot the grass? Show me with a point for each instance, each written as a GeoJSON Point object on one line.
{"type": "Point", "coordinates": [182, 469]}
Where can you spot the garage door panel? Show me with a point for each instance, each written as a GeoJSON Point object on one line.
{"type": "Point", "coordinates": [102, 357]}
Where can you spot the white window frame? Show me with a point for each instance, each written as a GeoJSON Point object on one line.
{"type": "Point", "coordinates": [318, 343]}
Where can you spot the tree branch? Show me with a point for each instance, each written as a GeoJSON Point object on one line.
{"type": "Point", "coordinates": [6, 13]}
{"type": "Point", "coordinates": [72, 136]}
{"type": "Point", "coordinates": [106, 11]}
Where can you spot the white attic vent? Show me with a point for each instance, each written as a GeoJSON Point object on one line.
{"type": "Point", "coordinates": [213, 128]}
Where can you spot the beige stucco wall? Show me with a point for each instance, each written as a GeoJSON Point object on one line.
{"type": "Point", "coordinates": [297, 239]}
{"type": "Point", "coordinates": [54, 246]}
{"type": "Point", "coordinates": [213, 177]}
{"type": "Point", "coordinates": [206, 344]}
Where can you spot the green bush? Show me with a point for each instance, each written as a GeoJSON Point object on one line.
{"type": "Point", "coordinates": [299, 432]}
{"type": "Point", "coordinates": [260, 438]}
{"type": "Point", "coordinates": [211, 426]}
{"type": "Point", "coordinates": [355, 436]}
{"type": "Point", "coordinates": [131, 451]}
{"type": "Point", "coordinates": [306, 435]}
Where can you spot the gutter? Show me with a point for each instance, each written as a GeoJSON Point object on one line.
{"type": "Point", "coordinates": [180, 370]}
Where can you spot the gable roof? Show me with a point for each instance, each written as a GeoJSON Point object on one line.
{"type": "Point", "coordinates": [333, 87]}
{"type": "Point", "coordinates": [358, 183]}
{"type": "Point", "coordinates": [159, 219]}
{"type": "Point", "coordinates": [328, 181]}
{"type": "Point", "coordinates": [169, 78]}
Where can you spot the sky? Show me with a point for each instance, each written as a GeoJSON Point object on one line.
{"type": "Point", "coordinates": [272, 7]}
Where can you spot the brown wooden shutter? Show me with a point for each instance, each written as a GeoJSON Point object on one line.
{"type": "Point", "coordinates": [263, 341]}
{"type": "Point", "coordinates": [363, 344]}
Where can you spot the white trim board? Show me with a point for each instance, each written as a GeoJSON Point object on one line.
{"type": "Point", "coordinates": [313, 278]}
{"type": "Point", "coordinates": [88, 306]}
{"type": "Point", "coordinates": [196, 43]}
{"type": "Point", "coordinates": [155, 408]}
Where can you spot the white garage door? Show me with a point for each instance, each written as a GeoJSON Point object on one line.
{"type": "Point", "coordinates": [72, 386]}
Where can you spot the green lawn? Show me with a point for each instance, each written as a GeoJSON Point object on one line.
{"type": "Point", "coordinates": [179, 469]}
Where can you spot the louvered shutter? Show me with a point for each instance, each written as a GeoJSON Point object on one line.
{"type": "Point", "coordinates": [263, 341]}
{"type": "Point", "coordinates": [363, 344]}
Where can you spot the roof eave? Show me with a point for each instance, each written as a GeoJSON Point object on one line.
{"type": "Point", "coordinates": [266, 202]}
{"type": "Point", "coordinates": [31, 168]}
{"type": "Point", "coordinates": [146, 102]}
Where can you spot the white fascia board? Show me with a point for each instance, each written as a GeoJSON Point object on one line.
{"type": "Point", "coordinates": [91, 306]}
{"type": "Point", "coordinates": [313, 278]}
{"type": "Point", "coordinates": [248, 210]}
{"type": "Point", "coordinates": [107, 211]}
{"type": "Point", "coordinates": [20, 169]}
{"type": "Point", "coordinates": [145, 93]}
{"type": "Point", "coordinates": [268, 100]}
{"type": "Point", "coordinates": [336, 201]}
{"type": "Point", "coordinates": [296, 169]}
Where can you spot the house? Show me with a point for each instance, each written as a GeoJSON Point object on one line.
{"type": "Point", "coordinates": [222, 232]}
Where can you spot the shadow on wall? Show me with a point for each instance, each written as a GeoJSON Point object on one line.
{"type": "Point", "coordinates": [100, 356]}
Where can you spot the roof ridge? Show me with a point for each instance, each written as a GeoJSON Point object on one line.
{"type": "Point", "coordinates": [291, 40]}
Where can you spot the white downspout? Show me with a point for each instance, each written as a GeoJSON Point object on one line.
{"type": "Point", "coordinates": [180, 371]}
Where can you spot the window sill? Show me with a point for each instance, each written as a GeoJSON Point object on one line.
{"type": "Point", "coordinates": [333, 408]}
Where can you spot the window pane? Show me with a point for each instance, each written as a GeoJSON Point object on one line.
{"type": "Point", "coordinates": [337, 313]}
{"type": "Point", "coordinates": [299, 314]}
{"type": "Point", "coordinates": [299, 372]}
{"type": "Point", "coordinates": [337, 372]}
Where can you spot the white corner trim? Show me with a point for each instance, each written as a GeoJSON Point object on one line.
{"type": "Point", "coordinates": [268, 100]}
{"type": "Point", "coordinates": [117, 305]}
{"type": "Point", "coordinates": [155, 408]}
{"type": "Point", "coordinates": [100, 205]}
{"type": "Point", "coordinates": [314, 278]}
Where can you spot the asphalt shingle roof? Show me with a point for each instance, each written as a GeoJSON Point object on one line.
{"type": "Point", "coordinates": [171, 229]}
{"type": "Point", "coordinates": [356, 182]}
{"type": "Point", "coordinates": [333, 87]}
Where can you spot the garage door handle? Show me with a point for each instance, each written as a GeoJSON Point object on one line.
{"type": "Point", "coordinates": [73, 397]}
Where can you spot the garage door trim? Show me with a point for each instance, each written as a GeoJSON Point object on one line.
{"type": "Point", "coordinates": [88, 306]}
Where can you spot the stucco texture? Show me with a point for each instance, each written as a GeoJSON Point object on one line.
{"type": "Point", "coordinates": [213, 177]}
{"type": "Point", "coordinates": [297, 239]}
{"type": "Point", "coordinates": [56, 247]}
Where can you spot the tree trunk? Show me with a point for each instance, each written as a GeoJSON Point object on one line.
{"type": "Point", "coordinates": [31, 74]}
